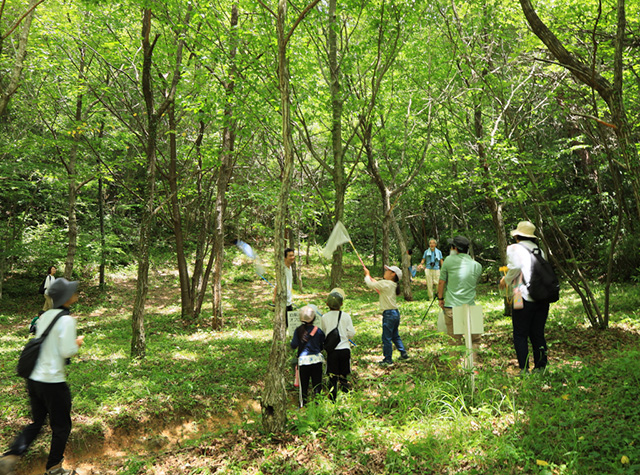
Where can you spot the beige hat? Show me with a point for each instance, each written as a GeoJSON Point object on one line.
{"type": "Point", "coordinates": [307, 314]}
{"type": "Point", "coordinates": [525, 229]}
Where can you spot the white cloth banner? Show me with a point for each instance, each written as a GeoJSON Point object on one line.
{"type": "Point", "coordinates": [339, 236]}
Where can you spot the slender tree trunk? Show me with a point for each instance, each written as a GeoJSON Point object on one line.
{"type": "Point", "coordinates": [103, 246]}
{"type": "Point", "coordinates": [186, 299]}
{"type": "Point", "coordinates": [200, 279]}
{"type": "Point", "coordinates": [339, 180]}
{"type": "Point", "coordinates": [138, 339]}
{"type": "Point", "coordinates": [21, 54]}
{"type": "Point", "coordinates": [406, 272]}
{"type": "Point", "coordinates": [274, 398]}
{"type": "Point", "coordinates": [224, 175]}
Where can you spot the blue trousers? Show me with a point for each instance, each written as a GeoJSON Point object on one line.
{"type": "Point", "coordinates": [390, 324]}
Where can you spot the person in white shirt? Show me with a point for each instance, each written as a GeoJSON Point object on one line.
{"type": "Point", "coordinates": [530, 320]}
{"type": "Point", "coordinates": [48, 390]}
{"type": "Point", "coordinates": [338, 360]}
{"type": "Point", "coordinates": [48, 280]}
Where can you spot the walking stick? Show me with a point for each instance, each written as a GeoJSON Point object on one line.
{"type": "Point", "coordinates": [425, 313]}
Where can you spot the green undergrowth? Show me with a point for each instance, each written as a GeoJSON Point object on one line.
{"type": "Point", "coordinates": [192, 404]}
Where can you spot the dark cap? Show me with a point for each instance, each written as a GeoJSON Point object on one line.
{"type": "Point", "coordinates": [460, 242]}
{"type": "Point", "coordinates": [61, 291]}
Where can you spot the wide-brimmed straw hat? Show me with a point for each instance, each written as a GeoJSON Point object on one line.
{"type": "Point", "coordinates": [61, 291]}
{"type": "Point", "coordinates": [525, 229]}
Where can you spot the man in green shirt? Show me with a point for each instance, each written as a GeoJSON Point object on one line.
{"type": "Point", "coordinates": [460, 274]}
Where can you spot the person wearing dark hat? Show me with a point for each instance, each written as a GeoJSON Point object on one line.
{"type": "Point", "coordinates": [530, 320]}
{"type": "Point", "coordinates": [459, 277]}
{"type": "Point", "coordinates": [309, 339]}
{"type": "Point", "coordinates": [388, 290]}
{"type": "Point", "coordinates": [48, 391]}
{"type": "Point", "coordinates": [338, 360]}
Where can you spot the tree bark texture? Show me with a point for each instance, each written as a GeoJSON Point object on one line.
{"type": "Point", "coordinates": [21, 54]}
{"type": "Point", "coordinates": [186, 299]}
{"type": "Point", "coordinates": [339, 181]}
{"type": "Point", "coordinates": [138, 340]}
{"type": "Point", "coordinates": [274, 398]}
{"type": "Point", "coordinates": [225, 173]}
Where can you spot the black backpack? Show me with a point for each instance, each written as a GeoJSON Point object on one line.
{"type": "Point", "coordinates": [31, 351]}
{"type": "Point", "coordinates": [41, 288]}
{"type": "Point", "coordinates": [543, 285]}
{"type": "Point", "coordinates": [333, 337]}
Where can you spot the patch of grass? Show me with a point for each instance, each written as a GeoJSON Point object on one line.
{"type": "Point", "coordinates": [418, 417]}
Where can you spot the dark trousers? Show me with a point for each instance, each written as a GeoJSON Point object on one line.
{"type": "Point", "coordinates": [338, 368]}
{"type": "Point", "coordinates": [46, 398]}
{"type": "Point", "coordinates": [528, 324]}
{"type": "Point", "coordinates": [311, 372]}
{"type": "Point", "coordinates": [390, 324]}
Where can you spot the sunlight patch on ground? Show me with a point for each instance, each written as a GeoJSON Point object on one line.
{"type": "Point", "coordinates": [185, 356]}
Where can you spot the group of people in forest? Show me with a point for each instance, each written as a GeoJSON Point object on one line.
{"type": "Point", "coordinates": [454, 278]}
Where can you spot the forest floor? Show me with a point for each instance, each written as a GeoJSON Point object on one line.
{"type": "Point", "coordinates": [192, 405]}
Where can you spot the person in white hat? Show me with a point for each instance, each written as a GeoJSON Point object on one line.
{"type": "Point", "coordinates": [530, 320]}
{"type": "Point", "coordinates": [388, 289]}
{"type": "Point", "coordinates": [308, 340]}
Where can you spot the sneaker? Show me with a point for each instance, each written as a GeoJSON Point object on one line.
{"type": "Point", "coordinates": [58, 470]}
{"type": "Point", "coordinates": [8, 464]}
{"type": "Point", "coordinates": [405, 356]}
{"type": "Point", "coordinates": [385, 363]}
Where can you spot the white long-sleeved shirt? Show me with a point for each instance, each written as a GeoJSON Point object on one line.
{"type": "Point", "coordinates": [519, 262]}
{"type": "Point", "coordinates": [347, 330]}
{"type": "Point", "coordinates": [59, 345]}
{"type": "Point", "coordinates": [48, 280]}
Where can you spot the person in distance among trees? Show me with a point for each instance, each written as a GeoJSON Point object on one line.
{"type": "Point", "coordinates": [48, 391]}
{"type": "Point", "coordinates": [48, 280]}
{"type": "Point", "coordinates": [431, 263]}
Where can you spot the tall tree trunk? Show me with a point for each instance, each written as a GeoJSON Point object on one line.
{"type": "Point", "coordinates": [72, 225]}
{"type": "Point", "coordinates": [103, 246]}
{"type": "Point", "coordinates": [224, 174]}
{"type": "Point", "coordinates": [339, 181]}
{"type": "Point", "coordinates": [186, 299]}
{"type": "Point", "coordinates": [200, 279]}
{"type": "Point", "coordinates": [274, 397]}
{"type": "Point", "coordinates": [21, 54]}
{"type": "Point", "coordinates": [138, 340]}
